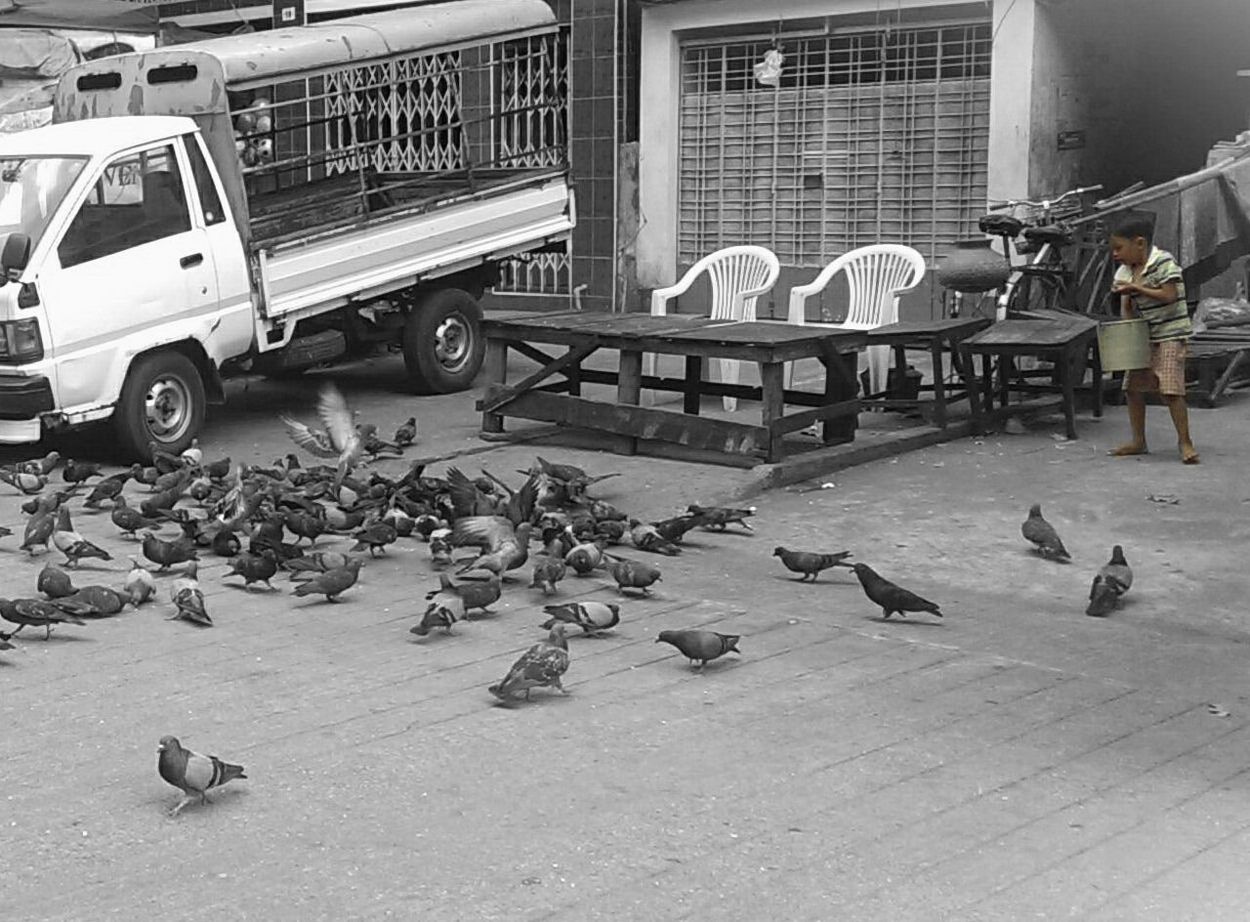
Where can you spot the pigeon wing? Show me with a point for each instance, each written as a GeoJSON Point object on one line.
{"type": "Point", "coordinates": [311, 441]}
{"type": "Point", "coordinates": [336, 417]}
{"type": "Point", "coordinates": [490, 532]}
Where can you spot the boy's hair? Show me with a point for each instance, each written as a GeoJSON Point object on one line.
{"type": "Point", "coordinates": [1134, 224]}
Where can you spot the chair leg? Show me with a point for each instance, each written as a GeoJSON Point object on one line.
{"type": "Point", "coordinates": [650, 362]}
{"type": "Point", "coordinates": [878, 368]}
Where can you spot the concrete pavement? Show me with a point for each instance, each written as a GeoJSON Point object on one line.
{"type": "Point", "coordinates": [1014, 760]}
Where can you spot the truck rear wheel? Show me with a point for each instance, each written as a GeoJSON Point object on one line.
{"type": "Point", "coordinates": [443, 342]}
{"type": "Point", "coordinates": [162, 401]}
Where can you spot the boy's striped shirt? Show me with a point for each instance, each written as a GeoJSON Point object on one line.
{"type": "Point", "coordinates": [1168, 320]}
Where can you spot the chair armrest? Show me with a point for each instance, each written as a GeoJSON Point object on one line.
{"type": "Point", "coordinates": [661, 296]}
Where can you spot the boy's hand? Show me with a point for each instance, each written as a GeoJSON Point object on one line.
{"type": "Point", "coordinates": [1125, 288]}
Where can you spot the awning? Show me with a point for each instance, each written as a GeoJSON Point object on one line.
{"type": "Point", "coordinates": [105, 15]}
{"type": "Point", "coordinates": [1203, 218]}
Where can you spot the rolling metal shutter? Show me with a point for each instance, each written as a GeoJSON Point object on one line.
{"type": "Point", "coordinates": [873, 136]}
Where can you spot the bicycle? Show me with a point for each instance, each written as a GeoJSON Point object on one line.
{"type": "Point", "coordinates": [1052, 278]}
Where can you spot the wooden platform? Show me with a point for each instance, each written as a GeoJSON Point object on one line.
{"type": "Point", "coordinates": [553, 393]}
{"type": "Point", "coordinates": [1217, 361]}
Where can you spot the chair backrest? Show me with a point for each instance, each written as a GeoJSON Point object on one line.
{"type": "Point", "coordinates": [875, 275]}
{"type": "Point", "coordinates": [739, 275]}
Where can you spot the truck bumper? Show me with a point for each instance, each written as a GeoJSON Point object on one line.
{"type": "Point", "coordinates": [21, 402]}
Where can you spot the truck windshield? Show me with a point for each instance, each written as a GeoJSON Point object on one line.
{"type": "Point", "coordinates": [31, 189]}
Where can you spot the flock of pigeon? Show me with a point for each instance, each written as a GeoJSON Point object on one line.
{"type": "Point", "coordinates": [259, 518]}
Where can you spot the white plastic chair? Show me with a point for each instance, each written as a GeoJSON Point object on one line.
{"type": "Point", "coordinates": [876, 276]}
{"type": "Point", "coordinates": [739, 275]}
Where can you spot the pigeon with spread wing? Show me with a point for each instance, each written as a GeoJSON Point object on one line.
{"type": "Point", "coordinates": [340, 439]}
{"type": "Point", "coordinates": [504, 546]}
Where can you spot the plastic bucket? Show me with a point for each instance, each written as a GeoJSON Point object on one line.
{"type": "Point", "coordinates": [1124, 345]}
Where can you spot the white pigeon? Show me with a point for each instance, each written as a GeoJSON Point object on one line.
{"type": "Point", "coordinates": [340, 439]}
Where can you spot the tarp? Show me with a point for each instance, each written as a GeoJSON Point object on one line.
{"type": "Point", "coordinates": [1203, 218]}
{"type": "Point", "coordinates": [107, 15]}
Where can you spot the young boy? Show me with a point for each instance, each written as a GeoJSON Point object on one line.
{"type": "Point", "coordinates": [1150, 285]}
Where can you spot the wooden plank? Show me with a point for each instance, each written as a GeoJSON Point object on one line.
{"type": "Point", "coordinates": [920, 331]}
{"type": "Point", "coordinates": [572, 357]}
{"type": "Point", "coordinates": [794, 422]}
{"type": "Point", "coordinates": [640, 422]}
{"type": "Point", "coordinates": [1223, 381]}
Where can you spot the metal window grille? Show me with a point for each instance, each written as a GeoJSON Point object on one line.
{"type": "Point", "coordinates": [876, 136]}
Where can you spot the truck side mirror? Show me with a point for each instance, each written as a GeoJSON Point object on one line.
{"type": "Point", "coordinates": [16, 255]}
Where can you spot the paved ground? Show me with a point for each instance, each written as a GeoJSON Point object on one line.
{"type": "Point", "coordinates": [1015, 760]}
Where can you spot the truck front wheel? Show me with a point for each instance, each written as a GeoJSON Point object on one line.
{"type": "Point", "coordinates": [443, 342]}
{"type": "Point", "coordinates": [162, 401]}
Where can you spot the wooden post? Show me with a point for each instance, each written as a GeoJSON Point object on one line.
{"type": "Point", "coordinates": [628, 392]}
{"type": "Point", "coordinates": [692, 391]}
{"type": "Point", "coordinates": [939, 387]}
{"type": "Point", "coordinates": [496, 367]}
{"type": "Point", "coordinates": [1095, 371]}
{"type": "Point", "coordinates": [772, 379]}
{"type": "Point", "coordinates": [973, 386]}
{"type": "Point", "coordinates": [1066, 357]}
{"type": "Point", "coordinates": [840, 385]}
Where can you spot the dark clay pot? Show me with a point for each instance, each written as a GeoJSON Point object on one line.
{"type": "Point", "coordinates": [971, 266]}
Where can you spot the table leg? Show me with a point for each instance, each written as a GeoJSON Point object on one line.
{"type": "Point", "coordinates": [629, 391]}
{"type": "Point", "coordinates": [772, 379]}
{"type": "Point", "coordinates": [840, 385]}
{"type": "Point", "coordinates": [1066, 358]}
{"type": "Point", "coordinates": [496, 367]}
{"type": "Point", "coordinates": [973, 386]}
{"type": "Point", "coordinates": [693, 389]}
{"type": "Point", "coordinates": [939, 386]}
{"type": "Point", "coordinates": [900, 375]}
{"type": "Point", "coordinates": [1095, 370]}
{"type": "Point", "coordinates": [1004, 379]}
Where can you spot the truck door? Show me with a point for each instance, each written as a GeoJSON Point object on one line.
{"type": "Point", "coordinates": [130, 260]}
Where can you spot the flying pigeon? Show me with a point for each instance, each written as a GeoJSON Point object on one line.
{"type": "Point", "coordinates": [191, 772]}
{"type": "Point", "coordinates": [505, 546]}
{"type": "Point", "coordinates": [893, 599]}
{"type": "Point", "coordinates": [809, 563]}
{"type": "Point", "coordinates": [701, 646]}
{"type": "Point", "coordinates": [340, 440]}
{"type": "Point", "coordinates": [1043, 536]}
{"type": "Point", "coordinates": [540, 666]}
{"type": "Point", "coordinates": [591, 617]}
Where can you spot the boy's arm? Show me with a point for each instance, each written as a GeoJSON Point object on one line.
{"type": "Point", "coordinates": [1126, 307]}
{"type": "Point", "coordinates": [1166, 293]}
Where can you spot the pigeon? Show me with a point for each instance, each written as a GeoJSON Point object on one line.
{"type": "Point", "coordinates": [332, 582]}
{"type": "Point", "coordinates": [648, 538]}
{"type": "Point", "coordinates": [585, 558]}
{"type": "Point", "coordinates": [505, 546]}
{"type": "Point", "coordinates": [633, 574]}
{"type": "Point", "coordinates": [54, 582]}
{"type": "Point", "coordinates": [129, 519]}
{"type": "Point", "coordinates": [701, 646]}
{"type": "Point", "coordinates": [373, 444]}
{"type": "Point", "coordinates": [217, 470]}
{"type": "Point", "coordinates": [340, 440]}
{"type": "Point", "coordinates": [473, 594]}
{"type": "Point", "coordinates": [79, 471]}
{"type": "Point", "coordinates": [1117, 571]}
{"type": "Point", "coordinates": [109, 488]}
{"type": "Point", "coordinates": [675, 528]}
{"type": "Point", "coordinates": [406, 434]}
{"type": "Point", "coordinates": [892, 599]}
{"type": "Point", "coordinates": [38, 532]}
{"type": "Point", "coordinates": [375, 537]}
{"type": "Point", "coordinates": [139, 584]}
{"type": "Point", "coordinates": [188, 598]}
{"type": "Point", "coordinates": [809, 563]}
{"type": "Point", "coordinates": [44, 465]}
{"type": "Point", "coordinates": [35, 613]}
{"type": "Point", "coordinates": [254, 568]}
{"type": "Point", "coordinates": [167, 553]}
{"type": "Point", "coordinates": [102, 600]}
{"type": "Point", "coordinates": [717, 517]}
{"type": "Point", "coordinates": [591, 617]}
{"type": "Point", "coordinates": [1104, 595]}
{"type": "Point", "coordinates": [4, 641]}
{"type": "Point", "coordinates": [162, 460]}
{"type": "Point", "coordinates": [611, 531]}
{"type": "Point", "coordinates": [192, 455]}
{"type": "Point", "coordinates": [73, 545]}
{"type": "Point", "coordinates": [191, 772]}
{"type": "Point", "coordinates": [24, 482]}
{"type": "Point", "coordinates": [1043, 536]}
{"type": "Point", "coordinates": [441, 547]}
{"type": "Point", "coordinates": [225, 543]}
{"type": "Point", "coordinates": [548, 572]}
{"type": "Point", "coordinates": [317, 562]}
{"type": "Point", "coordinates": [540, 666]}
{"type": "Point", "coordinates": [443, 611]}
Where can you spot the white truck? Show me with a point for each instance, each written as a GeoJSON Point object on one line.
{"type": "Point", "coordinates": [268, 202]}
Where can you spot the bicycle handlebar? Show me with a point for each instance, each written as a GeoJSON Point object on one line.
{"type": "Point", "coordinates": [1045, 203]}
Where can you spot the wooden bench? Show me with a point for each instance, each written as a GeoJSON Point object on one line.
{"type": "Point", "coordinates": [1215, 359]}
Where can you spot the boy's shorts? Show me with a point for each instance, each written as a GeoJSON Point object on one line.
{"type": "Point", "coordinates": [1166, 374]}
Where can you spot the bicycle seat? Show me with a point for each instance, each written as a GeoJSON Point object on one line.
{"type": "Point", "coordinates": [1049, 233]}
{"type": "Point", "coordinates": [1000, 225]}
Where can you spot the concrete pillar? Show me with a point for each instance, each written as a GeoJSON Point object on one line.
{"type": "Point", "coordinates": [1011, 98]}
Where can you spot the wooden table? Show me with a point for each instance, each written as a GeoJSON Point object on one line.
{"type": "Point", "coordinates": [1064, 339]}
{"type": "Point", "coordinates": [767, 344]}
{"type": "Point", "coordinates": [935, 337]}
